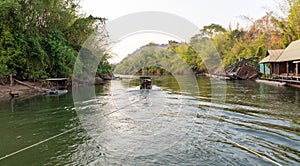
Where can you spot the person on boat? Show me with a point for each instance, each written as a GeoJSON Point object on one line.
{"type": "Point", "coordinates": [145, 84]}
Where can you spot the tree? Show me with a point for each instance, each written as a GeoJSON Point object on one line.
{"type": "Point", "coordinates": [294, 19]}
{"type": "Point", "coordinates": [42, 38]}
{"type": "Point", "coordinates": [289, 25]}
{"type": "Point", "coordinates": [212, 29]}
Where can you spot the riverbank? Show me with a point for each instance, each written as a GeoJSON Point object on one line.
{"type": "Point", "coordinates": [27, 89]}
{"type": "Point", "coordinates": [19, 90]}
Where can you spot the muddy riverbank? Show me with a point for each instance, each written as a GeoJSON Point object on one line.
{"type": "Point", "coordinates": [7, 92]}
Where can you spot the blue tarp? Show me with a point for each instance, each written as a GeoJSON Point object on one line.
{"type": "Point", "coordinates": [261, 67]}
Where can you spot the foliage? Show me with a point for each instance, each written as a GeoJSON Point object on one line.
{"type": "Point", "coordinates": [212, 29]}
{"type": "Point", "coordinates": [289, 26]}
{"type": "Point", "coordinates": [41, 39]}
{"type": "Point", "coordinates": [231, 45]}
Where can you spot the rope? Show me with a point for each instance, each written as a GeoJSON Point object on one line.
{"type": "Point", "coordinates": [55, 136]}
{"type": "Point", "coordinates": [36, 144]}
{"type": "Point", "coordinates": [249, 150]}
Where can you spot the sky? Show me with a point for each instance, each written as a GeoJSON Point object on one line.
{"type": "Point", "coordinates": [199, 12]}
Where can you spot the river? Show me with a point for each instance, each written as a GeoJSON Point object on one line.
{"type": "Point", "coordinates": [249, 124]}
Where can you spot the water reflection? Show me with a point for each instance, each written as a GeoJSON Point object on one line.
{"type": "Point", "coordinates": [122, 125]}
{"type": "Point", "coordinates": [24, 122]}
{"type": "Point", "coordinates": [137, 121]}
{"type": "Point", "coordinates": [12, 102]}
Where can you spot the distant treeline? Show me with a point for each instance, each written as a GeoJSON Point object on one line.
{"type": "Point", "coordinates": [231, 44]}
{"type": "Point", "coordinates": [40, 39]}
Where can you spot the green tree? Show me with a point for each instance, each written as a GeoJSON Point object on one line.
{"type": "Point", "coordinates": [42, 38]}
{"type": "Point", "coordinates": [212, 29]}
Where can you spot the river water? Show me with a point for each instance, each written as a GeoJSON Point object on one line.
{"type": "Point", "coordinates": [220, 123]}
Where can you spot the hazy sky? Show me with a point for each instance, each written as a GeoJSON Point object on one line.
{"type": "Point", "coordinates": [199, 12]}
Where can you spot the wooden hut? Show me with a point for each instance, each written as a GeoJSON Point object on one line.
{"type": "Point", "coordinates": [289, 61]}
{"type": "Point", "coordinates": [284, 64]}
{"type": "Point", "coordinates": [271, 58]}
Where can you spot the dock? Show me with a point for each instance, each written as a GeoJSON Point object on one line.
{"type": "Point", "coordinates": [271, 82]}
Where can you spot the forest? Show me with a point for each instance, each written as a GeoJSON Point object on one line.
{"type": "Point", "coordinates": [41, 38]}
{"type": "Point", "coordinates": [275, 30]}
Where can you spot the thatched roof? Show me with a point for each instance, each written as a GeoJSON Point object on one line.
{"type": "Point", "coordinates": [272, 56]}
{"type": "Point", "coordinates": [291, 53]}
{"type": "Point", "coordinates": [265, 60]}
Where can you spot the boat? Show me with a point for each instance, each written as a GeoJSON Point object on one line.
{"type": "Point", "coordinates": [243, 70]}
{"type": "Point", "coordinates": [146, 82]}
{"type": "Point", "coordinates": [60, 86]}
{"type": "Point", "coordinates": [57, 92]}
